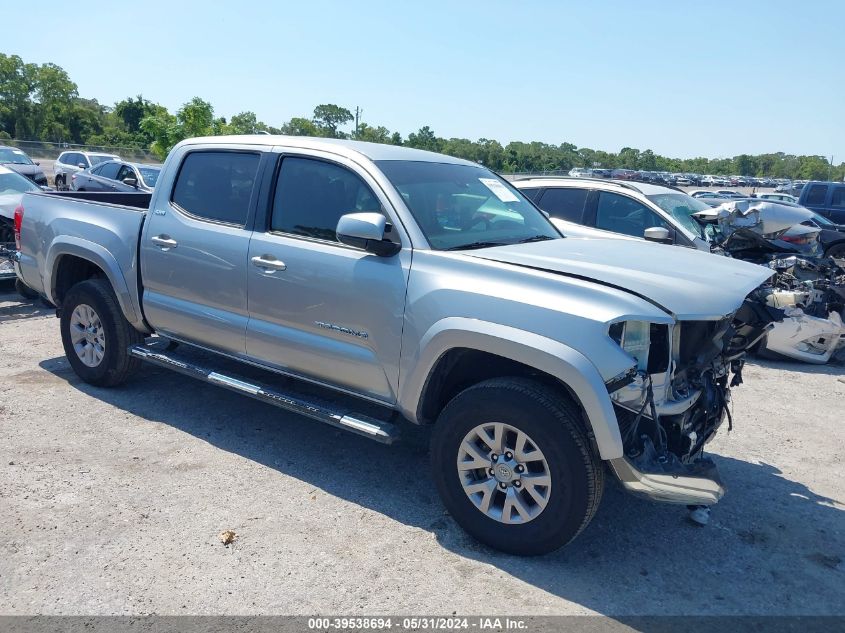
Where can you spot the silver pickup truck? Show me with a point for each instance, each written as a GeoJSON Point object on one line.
{"type": "Point", "coordinates": [411, 287]}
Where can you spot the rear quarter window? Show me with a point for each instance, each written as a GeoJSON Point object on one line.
{"type": "Point", "coordinates": [216, 186]}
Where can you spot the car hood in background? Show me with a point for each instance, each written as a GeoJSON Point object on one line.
{"type": "Point", "coordinates": [8, 203]}
{"type": "Point", "coordinates": [686, 283]}
{"type": "Point", "coordinates": [30, 171]}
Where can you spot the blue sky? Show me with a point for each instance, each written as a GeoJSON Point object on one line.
{"type": "Point", "coordinates": [684, 79]}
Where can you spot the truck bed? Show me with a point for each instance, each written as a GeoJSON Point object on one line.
{"type": "Point", "coordinates": [139, 200]}
{"type": "Point", "coordinates": [102, 228]}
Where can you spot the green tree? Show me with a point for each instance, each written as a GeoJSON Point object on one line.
{"type": "Point", "coordinates": [378, 134]}
{"type": "Point", "coordinates": [246, 123]}
{"type": "Point", "coordinates": [328, 117]}
{"type": "Point", "coordinates": [425, 139]}
{"type": "Point", "coordinates": [299, 126]}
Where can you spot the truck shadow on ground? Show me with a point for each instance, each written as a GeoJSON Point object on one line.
{"type": "Point", "coordinates": [15, 307]}
{"type": "Point", "coordinates": [773, 546]}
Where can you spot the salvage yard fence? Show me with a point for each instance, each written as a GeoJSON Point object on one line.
{"type": "Point", "coordinates": [48, 150]}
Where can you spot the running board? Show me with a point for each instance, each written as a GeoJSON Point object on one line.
{"type": "Point", "coordinates": [371, 428]}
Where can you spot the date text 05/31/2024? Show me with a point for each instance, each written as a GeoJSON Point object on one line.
{"type": "Point", "coordinates": [417, 623]}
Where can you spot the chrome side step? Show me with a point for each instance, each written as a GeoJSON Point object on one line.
{"type": "Point", "coordinates": [369, 427]}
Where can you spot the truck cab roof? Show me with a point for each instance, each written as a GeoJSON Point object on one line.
{"type": "Point", "coordinates": [344, 147]}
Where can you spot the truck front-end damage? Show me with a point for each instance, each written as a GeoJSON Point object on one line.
{"type": "Point", "coordinates": [676, 397]}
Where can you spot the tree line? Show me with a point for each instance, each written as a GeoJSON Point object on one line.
{"type": "Point", "coordinates": [42, 103]}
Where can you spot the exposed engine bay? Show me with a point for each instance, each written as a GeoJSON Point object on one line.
{"type": "Point", "coordinates": [808, 289]}
{"type": "Point", "coordinates": [679, 395]}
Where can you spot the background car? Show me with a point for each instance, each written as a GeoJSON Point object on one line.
{"type": "Point", "coordinates": [17, 160]}
{"type": "Point", "coordinates": [779, 197]}
{"type": "Point", "coordinates": [615, 207]}
{"type": "Point", "coordinates": [116, 175]}
{"type": "Point", "coordinates": [12, 188]}
{"type": "Point", "coordinates": [72, 162]}
{"type": "Point", "coordinates": [826, 198]}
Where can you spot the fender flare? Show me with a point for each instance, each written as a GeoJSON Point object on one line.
{"type": "Point", "coordinates": [566, 364]}
{"type": "Point", "coordinates": [100, 257]}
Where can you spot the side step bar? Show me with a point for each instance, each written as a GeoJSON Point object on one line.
{"type": "Point", "coordinates": [371, 428]}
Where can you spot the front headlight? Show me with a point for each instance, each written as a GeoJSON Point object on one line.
{"type": "Point", "coordinates": [634, 337]}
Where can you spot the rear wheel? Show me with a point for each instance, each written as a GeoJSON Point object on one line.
{"type": "Point", "coordinates": [96, 335]}
{"type": "Point", "coordinates": [514, 467]}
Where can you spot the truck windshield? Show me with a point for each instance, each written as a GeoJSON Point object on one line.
{"type": "Point", "coordinates": [462, 206]}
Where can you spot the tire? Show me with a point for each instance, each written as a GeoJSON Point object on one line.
{"type": "Point", "coordinates": [114, 334]}
{"type": "Point", "coordinates": [553, 424]}
{"type": "Point", "coordinates": [60, 183]}
{"type": "Point", "coordinates": [837, 251]}
{"type": "Point", "coordinates": [25, 291]}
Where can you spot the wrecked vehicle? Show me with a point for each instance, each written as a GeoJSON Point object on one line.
{"type": "Point", "coordinates": [809, 289]}
{"type": "Point", "coordinates": [393, 285]}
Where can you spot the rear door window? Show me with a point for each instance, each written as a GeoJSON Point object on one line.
{"type": "Point", "coordinates": [838, 198]}
{"type": "Point", "coordinates": [625, 215]}
{"type": "Point", "coordinates": [216, 185]}
{"type": "Point", "coordinates": [816, 195]}
{"type": "Point", "coordinates": [566, 203]}
{"type": "Point", "coordinates": [311, 195]}
{"type": "Point", "coordinates": [109, 170]}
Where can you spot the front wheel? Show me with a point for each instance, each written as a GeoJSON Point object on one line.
{"type": "Point", "coordinates": [514, 467]}
{"type": "Point", "coordinates": [96, 335]}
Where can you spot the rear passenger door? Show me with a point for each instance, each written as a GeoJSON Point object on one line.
{"type": "Point", "coordinates": [102, 177]}
{"type": "Point", "coordinates": [194, 247]}
{"type": "Point", "coordinates": [565, 203]}
{"type": "Point", "coordinates": [320, 309]}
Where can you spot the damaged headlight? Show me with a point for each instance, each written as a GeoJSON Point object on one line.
{"type": "Point", "coordinates": [648, 346]}
{"type": "Point", "coordinates": [634, 338]}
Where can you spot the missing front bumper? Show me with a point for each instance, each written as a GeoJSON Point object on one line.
{"type": "Point", "coordinates": [702, 488]}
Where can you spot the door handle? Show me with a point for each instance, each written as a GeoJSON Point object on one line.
{"type": "Point", "coordinates": [268, 262]}
{"type": "Point", "coordinates": [164, 242]}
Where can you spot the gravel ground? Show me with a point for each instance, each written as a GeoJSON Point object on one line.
{"type": "Point", "coordinates": [114, 501]}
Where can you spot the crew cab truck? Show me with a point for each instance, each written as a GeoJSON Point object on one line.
{"type": "Point", "coordinates": [826, 198]}
{"type": "Point", "coordinates": [419, 287]}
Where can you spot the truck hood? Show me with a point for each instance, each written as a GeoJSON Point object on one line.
{"type": "Point", "coordinates": [688, 284]}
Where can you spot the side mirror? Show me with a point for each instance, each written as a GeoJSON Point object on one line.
{"type": "Point", "coordinates": [366, 231]}
{"type": "Point", "coordinates": [82, 166]}
{"type": "Point", "coordinates": [132, 182]}
{"type": "Point", "coordinates": [657, 234]}
{"type": "Point", "coordinates": [38, 162]}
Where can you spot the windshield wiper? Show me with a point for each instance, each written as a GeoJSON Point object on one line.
{"type": "Point", "coordinates": [535, 238]}
{"type": "Point", "coordinates": [474, 245]}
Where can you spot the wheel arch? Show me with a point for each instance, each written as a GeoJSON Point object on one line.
{"type": "Point", "coordinates": [457, 353]}
{"type": "Point", "coordinates": [73, 260]}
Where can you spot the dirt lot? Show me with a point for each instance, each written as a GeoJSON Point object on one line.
{"type": "Point", "coordinates": [113, 501]}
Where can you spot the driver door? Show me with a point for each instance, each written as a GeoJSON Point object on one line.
{"type": "Point", "coordinates": [320, 309]}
